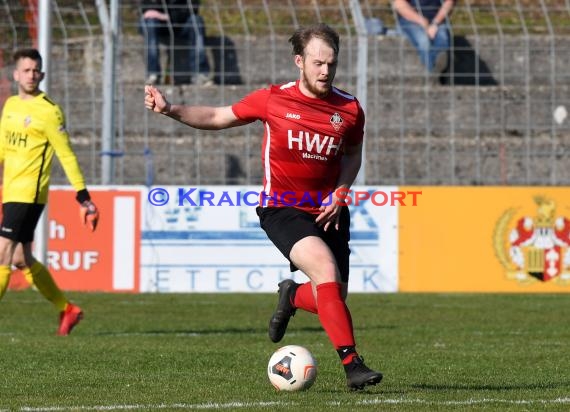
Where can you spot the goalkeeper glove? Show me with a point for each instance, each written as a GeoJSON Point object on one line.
{"type": "Point", "coordinates": [89, 214]}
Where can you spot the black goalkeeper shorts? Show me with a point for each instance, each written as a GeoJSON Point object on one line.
{"type": "Point", "coordinates": [19, 220]}
{"type": "Point", "coordinates": [285, 226]}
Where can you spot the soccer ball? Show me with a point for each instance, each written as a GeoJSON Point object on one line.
{"type": "Point", "coordinates": [292, 368]}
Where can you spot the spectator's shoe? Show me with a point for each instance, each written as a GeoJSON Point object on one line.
{"type": "Point", "coordinates": [358, 375]}
{"type": "Point", "coordinates": [202, 80]}
{"type": "Point", "coordinates": [280, 319]}
{"type": "Point", "coordinates": [152, 79]}
{"type": "Point", "coordinates": [68, 318]}
{"type": "Point", "coordinates": [439, 67]}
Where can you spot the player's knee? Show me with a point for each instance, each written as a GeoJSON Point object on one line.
{"type": "Point", "coordinates": [6, 251]}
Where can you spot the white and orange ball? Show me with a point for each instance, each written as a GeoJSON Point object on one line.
{"type": "Point", "coordinates": [292, 368]}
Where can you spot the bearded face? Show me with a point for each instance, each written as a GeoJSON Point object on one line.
{"type": "Point", "coordinates": [318, 68]}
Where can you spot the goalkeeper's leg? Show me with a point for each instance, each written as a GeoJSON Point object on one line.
{"type": "Point", "coordinates": [38, 275]}
{"type": "Point", "coordinates": [6, 250]}
{"type": "Point", "coordinates": [43, 281]}
{"type": "Point", "coordinates": [5, 272]}
{"type": "Point", "coordinates": [69, 314]}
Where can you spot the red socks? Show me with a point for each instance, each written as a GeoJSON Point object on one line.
{"type": "Point", "coordinates": [334, 315]}
{"type": "Point", "coordinates": [304, 298]}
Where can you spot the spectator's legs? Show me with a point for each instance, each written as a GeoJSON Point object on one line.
{"type": "Point", "coordinates": [440, 43]}
{"type": "Point", "coordinates": [150, 29]}
{"type": "Point", "coordinates": [419, 39]}
{"type": "Point", "coordinates": [198, 61]}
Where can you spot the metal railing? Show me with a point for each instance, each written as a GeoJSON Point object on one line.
{"type": "Point", "coordinates": [499, 118]}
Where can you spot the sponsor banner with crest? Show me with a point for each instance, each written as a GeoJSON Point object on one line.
{"type": "Point", "coordinates": [408, 239]}
{"type": "Point", "coordinates": [486, 239]}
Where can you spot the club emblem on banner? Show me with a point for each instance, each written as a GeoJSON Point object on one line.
{"type": "Point", "coordinates": [534, 248]}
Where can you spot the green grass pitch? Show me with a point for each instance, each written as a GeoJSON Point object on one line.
{"type": "Point", "coordinates": [177, 352]}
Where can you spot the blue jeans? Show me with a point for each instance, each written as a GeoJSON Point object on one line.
{"type": "Point", "coordinates": [191, 35]}
{"type": "Point", "coordinates": [427, 48]}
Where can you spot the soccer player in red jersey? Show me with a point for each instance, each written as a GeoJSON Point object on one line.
{"type": "Point", "coordinates": [312, 151]}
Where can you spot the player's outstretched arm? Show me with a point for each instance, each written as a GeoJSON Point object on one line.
{"type": "Point", "coordinates": [198, 117]}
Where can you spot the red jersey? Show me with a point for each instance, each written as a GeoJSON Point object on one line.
{"type": "Point", "coordinates": [303, 142]}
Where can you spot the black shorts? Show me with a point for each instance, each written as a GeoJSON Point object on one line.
{"type": "Point", "coordinates": [19, 220]}
{"type": "Point", "coordinates": [285, 226]}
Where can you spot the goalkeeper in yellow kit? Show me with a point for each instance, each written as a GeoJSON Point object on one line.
{"type": "Point", "coordinates": [32, 129]}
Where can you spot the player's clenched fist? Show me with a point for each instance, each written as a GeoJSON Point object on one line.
{"type": "Point", "coordinates": [154, 100]}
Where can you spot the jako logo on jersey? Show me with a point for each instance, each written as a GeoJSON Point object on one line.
{"type": "Point", "coordinates": [293, 116]}
{"type": "Point", "coordinates": [318, 144]}
{"type": "Point", "coordinates": [336, 121]}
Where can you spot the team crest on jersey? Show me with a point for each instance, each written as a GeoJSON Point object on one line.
{"type": "Point", "coordinates": [27, 121]}
{"type": "Point", "coordinates": [336, 121]}
{"type": "Point", "coordinates": [534, 248]}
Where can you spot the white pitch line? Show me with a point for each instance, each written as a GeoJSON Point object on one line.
{"type": "Point", "coordinates": [202, 406]}
{"type": "Point", "coordinates": [254, 405]}
{"type": "Point", "coordinates": [466, 402]}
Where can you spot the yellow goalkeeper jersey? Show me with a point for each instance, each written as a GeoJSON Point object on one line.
{"type": "Point", "coordinates": [31, 131]}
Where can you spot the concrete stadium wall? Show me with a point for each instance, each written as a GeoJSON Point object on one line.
{"type": "Point", "coordinates": [417, 134]}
